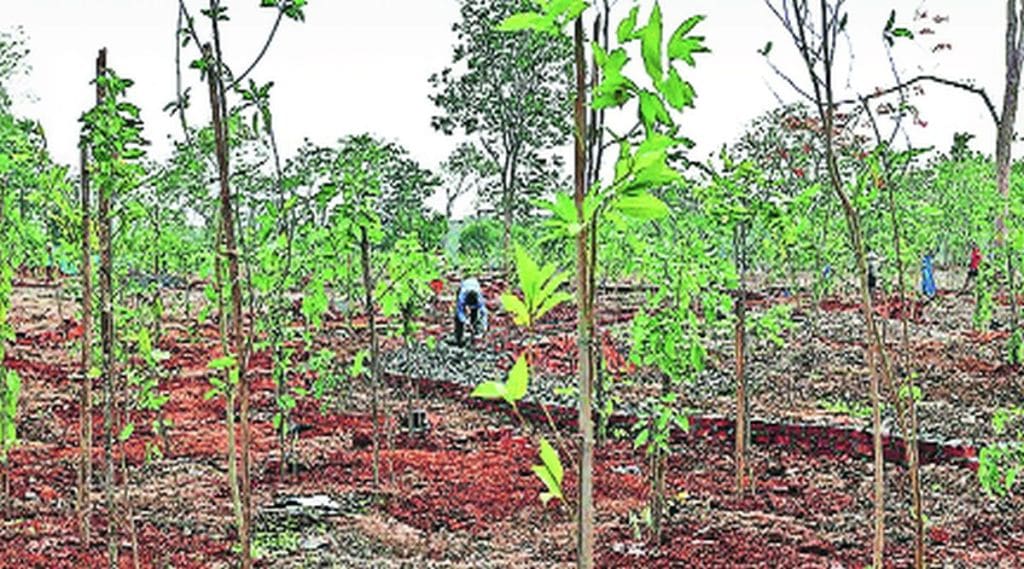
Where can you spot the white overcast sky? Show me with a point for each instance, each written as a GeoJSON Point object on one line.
{"type": "Point", "coordinates": [357, 66]}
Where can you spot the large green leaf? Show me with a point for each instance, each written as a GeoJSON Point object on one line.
{"type": "Point", "coordinates": [680, 46]}
{"type": "Point", "coordinates": [642, 206]}
{"type": "Point", "coordinates": [518, 381]}
{"type": "Point", "coordinates": [650, 45]}
{"type": "Point", "coordinates": [514, 305]}
{"type": "Point", "coordinates": [627, 27]}
{"type": "Point", "coordinates": [678, 93]}
{"type": "Point", "coordinates": [489, 390]}
{"type": "Point", "coordinates": [550, 472]}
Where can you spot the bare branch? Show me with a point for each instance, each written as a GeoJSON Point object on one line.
{"type": "Point", "coordinates": [266, 46]}
{"type": "Point", "coordinates": [932, 78]}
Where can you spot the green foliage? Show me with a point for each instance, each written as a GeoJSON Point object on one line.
{"type": "Point", "coordinates": [479, 244]}
{"type": "Point", "coordinates": [840, 407]}
{"type": "Point", "coordinates": [539, 286]}
{"type": "Point", "coordinates": [409, 270]}
{"type": "Point", "coordinates": [550, 472]}
{"type": "Point", "coordinates": [510, 94]}
{"type": "Point", "coordinates": [10, 391]}
{"type": "Point", "coordinates": [512, 391]}
{"type": "Point", "coordinates": [1000, 464]}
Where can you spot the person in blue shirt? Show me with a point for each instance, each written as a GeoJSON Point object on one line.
{"type": "Point", "coordinates": [928, 276]}
{"type": "Point", "coordinates": [470, 308]}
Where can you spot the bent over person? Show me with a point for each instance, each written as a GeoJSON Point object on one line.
{"type": "Point", "coordinates": [470, 309]}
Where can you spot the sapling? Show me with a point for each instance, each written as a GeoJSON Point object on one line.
{"type": "Point", "coordinates": [1001, 464]}
{"type": "Point", "coordinates": [541, 294]}
{"type": "Point", "coordinates": [113, 131]}
{"type": "Point", "coordinates": [639, 169]}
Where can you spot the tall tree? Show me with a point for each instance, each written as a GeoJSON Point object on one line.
{"type": "Point", "coordinates": [13, 50]}
{"type": "Point", "coordinates": [1004, 132]}
{"type": "Point", "coordinates": [509, 91]}
{"type": "Point", "coordinates": [465, 170]}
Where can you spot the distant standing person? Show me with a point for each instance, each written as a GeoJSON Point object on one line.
{"type": "Point", "coordinates": [928, 287]}
{"type": "Point", "coordinates": [972, 268]}
{"type": "Point", "coordinates": [470, 308]}
{"type": "Point", "coordinates": [874, 265]}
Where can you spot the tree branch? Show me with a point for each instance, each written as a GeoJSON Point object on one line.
{"type": "Point", "coordinates": [932, 78]}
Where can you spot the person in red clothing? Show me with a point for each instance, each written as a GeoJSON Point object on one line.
{"type": "Point", "coordinates": [972, 268]}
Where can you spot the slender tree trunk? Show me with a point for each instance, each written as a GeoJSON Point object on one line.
{"type": "Point", "coordinates": [231, 251]}
{"type": "Point", "coordinates": [875, 356]}
{"type": "Point", "coordinates": [229, 395]}
{"type": "Point", "coordinates": [85, 393]}
{"type": "Point", "coordinates": [107, 341]}
{"type": "Point", "coordinates": [6, 483]}
{"type": "Point", "coordinates": [910, 431]}
{"type": "Point", "coordinates": [371, 315]}
{"type": "Point", "coordinates": [129, 513]}
{"type": "Point", "coordinates": [585, 543]}
{"type": "Point", "coordinates": [1004, 138]}
{"type": "Point", "coordinates": [743, 477]}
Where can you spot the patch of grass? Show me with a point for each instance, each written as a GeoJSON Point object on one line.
{"type": "Point", "coordinates": [840, 407]}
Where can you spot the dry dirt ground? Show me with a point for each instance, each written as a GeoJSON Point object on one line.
{"type": "Point", "coordinates": [463, 494]}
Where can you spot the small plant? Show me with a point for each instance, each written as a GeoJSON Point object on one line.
{"type": "Point", "coordinates": [10, 391]}
{"type": "Point", "coordinates": [512, 391]}
{"type": "Point", "coordinates": [1000, 464]}
{"type": "Point", "coordinates": [840, 407]}
{"type": "Point", "coordinates": [539, 286]}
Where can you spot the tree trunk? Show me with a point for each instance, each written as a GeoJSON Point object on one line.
{"type": "Point", "coordinates": [231, 252]}
{"type": "Point", "coordinates": [371, 315]}
{"type": "Point", "coordinates": [129, 513]}
{"type": "Point", "coordinates": [743, 477]}
{"type": "Point", "coordinates": [1004, 138]}
{"type": "Point", "coordinates": [6, 483]}
{"type": "Point", "coordinates": [107, 341]}
{"type": "Point", "coordinates": [874, 348]}
{"type": "Point", "coordinates": [585, 538]}
{"type": "Point", "coordinates": [85, 394]}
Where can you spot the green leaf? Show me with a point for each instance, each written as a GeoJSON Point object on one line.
{"type": "Point", "coordinates": [627, 26]}
{"type": "Point", "coordinates": [641, 439]}
{"type": "Point", "coordinates": [514, 305]}
{"type": "Point", "coordinates": [549, 458]}
{"type": "Point", "coordinates": [553, 488]}
{"type": "Point", "coordinates": [526, 21]}
{"type": "Point", "coordinates": [678, 93]}
{"type": "Point", "coordinates": [518, 381]}
{"type": "Point", "coordinates": [682, 47]}
{"type": "Point", "coordinates": [652, 110]}
{"type": "Point", "coordinates": [644, 206]}
{"type": "Point", "coordinates": [221, 363]}
{"type": "Point", "coordinates": [489, 390]}
{"type": "Point", "coordinates": [550, 472]}
{"type": "Point", "coordinates": [650, 45]}
{"type": "Point", "coordinates": [126, 432]}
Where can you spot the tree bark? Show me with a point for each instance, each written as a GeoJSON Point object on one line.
{"type": "Point", "coordinates": [742, 405]}
{"type": "Point", "coordinates": [1004, 138]}
{"type": "Point", "coordinates": [585, 538]}
{"type": "Point", "coordinates": [85, 394]}
{"type": "Point", "coordinates": [107, 339]}
{"type": "Point", "coordinates": [371, 315]}
{"type": "Point", "coordinates": [231, 252]}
